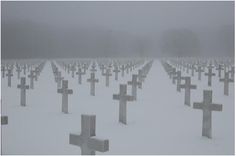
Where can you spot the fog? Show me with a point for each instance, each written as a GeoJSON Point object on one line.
{"type": "Point", "coordinates": [116, 29]}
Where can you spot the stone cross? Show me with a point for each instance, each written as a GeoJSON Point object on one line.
{"type": "Point", "coordinates": [87, 140]}
{"type": "Point", "coordinates": [122, 70]}
{"type": "Point", "coordinates": [116, 71]}
{"type": "Point", "coordinates": [210, 74]}
{"type": "Point", "coordinates": [73, 69]}
{"type": "Point", "coordinates": [134, 83]}
{"type": "Point", "coordinates": [84, 67]}
{"type": "Point", "coordinates": [207, 107]}
{"type": "Point", "coordinates": [93, 69]}
{"type": "Point", "coordinates": [107, 74]}
{"type": "Point", "coordinates": [65, 91]}
{"type": "Point", "coordinates": [178, 78]}
{"type": "Point", "coordinates": [18, 70]}
{"type": "Point", "coordinates": [92, 81]}
{"type": "Point", "coordinates": [9, 75]}
{"type": "Point", "coordinates": [123, 98]}
{"type": "Point", "coordinates": [199, 70]}
{"type": "Point", "coordinates": [192, 69]}
{"type": "Point", "coordinates": [102, 67]}
{"type": "Point", "coordinates": [80, 73]}
{"type": "Point", "coordinates": [68, 68]}
{"type": "Point", "coordinates": [59, 80]}
{"type": "Point", "coordinates": [187, 86]}
{"type": "Point", "coordinates": [141, 76]}
{"type": "Point", "coordinates": [24, 69]}
{"type": "Point", "coordinates": [3, 71]}
{"type": "Point", "coordinates": [226, 81]}
{"type": "Point", "coordinates": [4, 120]}
{"type": "Point", "coordinates": [220, 68]}
{"type": "Point", "coordinates": [127, 68]}
{"type": "Point", "coordinates": [32, 76]}
{"type": "Point", "coordinates": [231, 71]}
{"type": "Point", "coordinates": [37, 72]}
{"type": "Point", "coordinates": [22, 86]}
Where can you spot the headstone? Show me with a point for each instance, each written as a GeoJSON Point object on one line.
{"type": "Point", "coordinates": [192, 69]}
{"type": "Point", "coordinates": [187, 86]}
{"type": "Point", "coordinates": [32, 76]}
{"type": "Point", "coordinates": [231, 71]}
{"type": "Point", "coordinates": [93, 69]}
{"type": "Point", "coordinates": [59, 80]}
{"type": "Point", "coordinates": [226, 81]}
{"type": "Point", "coordinates": [80, 73]}
{"type": "Point", "coordinates": [24, 69]}
{"type": "Point", "coordinates": [219, 69]}
{"type": "Point", "coordinates": [199, 70]}
{"type": "Point", "coordinates": [102, 67]}
{"type": "Point", "coordinates": [3, 71]}
{"type": "Point", "coordinates": [92, 81]}
{"type": "Point", "coordinates": [9, 75]}
{"type": "Point", "coordinates": [141, 77]}
{"type": "Point", "coordinates": [122, 70]}
{"type": "Point", "coordinates": [178, 77]}
{"type": "Point", "coordinates": [87, 140]}
{"type": "Point", "coordinates": [22, 86]}
{"type": "Point", "coordinates": [116, 71]}
{"type": "Point", "coordinates": [18, 70]}
{"type": "Point", "coordinates": [65, 91]}
{"type": "Point", "coordinates": [73, 69]}
{"type": "Point", "coordinates": [207, 107]}
{"type": "Point", "coordinates": [209, 75]}
{"type": "Point", "coordinates": [123, 98]}
{"type": "Point", "coordinates": [4, 120]}
{"type": "Point", "coordinates": [107, 74]}
{"type": "Point", "coordinates": [134, 83]}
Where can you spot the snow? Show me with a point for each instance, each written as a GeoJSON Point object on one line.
{"type": "Point", "coordinates": [158, 122]}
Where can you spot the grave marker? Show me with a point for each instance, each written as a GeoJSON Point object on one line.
{"type": "Point", "coordinates": [22, 86]}
{"type": "Point", "coordinates": [207, 107]}
{"type": "Point", "coordinates": [65, 91]}
{"type": "Point", "coordinates": [123, 98]}
{"type": "Point", "coordinates": [87, 140]}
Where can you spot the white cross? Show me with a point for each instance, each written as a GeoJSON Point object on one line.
{"type": "Point", "coordinates": [107, 74]}
{"type": "Point", "coordinates": [9, 75]}
{"type": "Point", "coordinates": [210, 74]}
{"type": "Point", "coordinates": [207, 107]}
{"type": "Point", "coordinates": [32, 76]}
{"type": "Point", "coordinates": [92, 81]}
{"type": "Point", "coordinates": [226, 81]}
{"type": "Point", "coordinates": [187, 86]}
{"type": "Point", "coordinates": [123, 98]}
{"type": "Point", "coordinates": [4, 120]}
{"type": "Point", "coordinates": [23, 88]}
{"type": "Point", "coordinates": [65, 91]}
{"type": "Point", "coordinates": [134, 83]}
{"type": "Point", "coordinates": [87, 140]}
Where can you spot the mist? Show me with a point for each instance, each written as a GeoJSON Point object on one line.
{"type": "Point", "coordinates": [116, 29]}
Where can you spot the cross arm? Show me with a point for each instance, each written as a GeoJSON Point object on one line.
{"type": "Point", "coordinates": [59, 90]}
{"type": "Point", "coordinates": [193, 87]}
{"type": "Point", "coordinates": [129, 98]}
{"type": "Point", "coordinates": [75, 139]}
{"type": "Point", "coordinates": [98, 144]}
{"type": "Point", "coordinates": [4, 120]}
{"type": "Point", "coordinates": [69, 91]}
{"type": "Point", "coordinates": [116, 96]}
{"type": "Point", "coordinates": [216, 107]}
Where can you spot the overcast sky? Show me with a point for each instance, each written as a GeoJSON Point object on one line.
{"type": "Point", "coordinates": [136, 19]}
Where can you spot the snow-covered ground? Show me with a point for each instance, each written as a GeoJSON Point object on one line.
{"type": "Point", "coordinates": [158, 122]}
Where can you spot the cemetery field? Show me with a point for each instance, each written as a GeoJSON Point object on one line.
{"type": "Point", "coordinates": [158, 122]}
